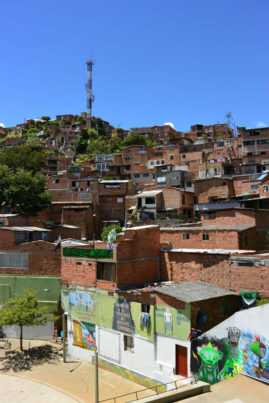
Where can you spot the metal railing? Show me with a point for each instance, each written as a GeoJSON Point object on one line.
{"type": "Point", "coordinates": [156, 390]}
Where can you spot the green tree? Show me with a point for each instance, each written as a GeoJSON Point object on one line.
{"type": "Point", "coordinates": [97, 147]}
{"type": "Point", "coordinates": [80, 158]}
{"type": "Point", "coordinates": [23, 311]}
{"type": "Point", "coordinates": [134, 139]}
{"type": "Point", "coordinates": [106, 231]}
{"type": "Point", "coordinates": [46, 118]}
{"type": "Point", "coordinates": [23, 190]}
{"type": "Point", "coordinates": [115, 144]}
{"type": "Point", "coordinates": [29, 156]}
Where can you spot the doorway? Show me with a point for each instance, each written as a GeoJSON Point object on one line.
{"type": "Point", "coordinates": [181, 361]}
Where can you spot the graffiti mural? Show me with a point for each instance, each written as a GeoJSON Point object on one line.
{"type": "Point", "coordinates": [173, 322]}
{"type": "Point", "coordinates": [84, 335]}
{"type": "Point", "coordinates": [256, 350]}
{"type": "Point", "coordinates": [209, 370]}
{"type": "Point", "coordinates": [213, 359]}
{"type": "Point", "coordinates": [122, 318]}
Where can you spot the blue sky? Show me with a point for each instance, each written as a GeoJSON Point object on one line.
{"type": "Point", "coordinates": [182, 61]}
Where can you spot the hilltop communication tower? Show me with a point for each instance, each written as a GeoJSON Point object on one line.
{"type": "Point", "coordinates": [90, 96]}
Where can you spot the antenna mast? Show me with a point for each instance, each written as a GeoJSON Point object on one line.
{"type": "Point", "coordinates": [90, 96]}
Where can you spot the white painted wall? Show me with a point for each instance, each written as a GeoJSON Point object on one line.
{"type": "Point", "coordinates": [141, 359]}
{"type": "Point", "coordinates": [166, 355]}
{"type": "Point", "coordinates": [254, 320]}
{"type": "Point", "coordinates": [41, 332]}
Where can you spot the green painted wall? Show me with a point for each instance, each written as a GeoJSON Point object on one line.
{"type": "Point", "coordinates": [173, 322]}
{"type": "Point", "coordinates": [97, 307]}
{"type": "Point", "coordinates": [11, 285]}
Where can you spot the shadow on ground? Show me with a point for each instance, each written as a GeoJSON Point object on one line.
{"type": "Point", "coordinates": [25, 360]}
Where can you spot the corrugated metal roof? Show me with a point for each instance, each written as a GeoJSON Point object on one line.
{"type": "Point", "coordinates": [211, 251]}
{"type": "Point", "coordinates": [209, 228]}
{"type": "Point", "coordinates": [148, 193]}
{"type": "Point", "coordinates": [29, 229]}
{"type": "Point", "coordinates": [191, 291]}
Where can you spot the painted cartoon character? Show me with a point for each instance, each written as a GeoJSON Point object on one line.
{"type": "Point", "coordinates": [260, 350]}
{"type": "Point", "coordinates": [234, 362]}
{"type": "Point", "coordinates": [210, 356]}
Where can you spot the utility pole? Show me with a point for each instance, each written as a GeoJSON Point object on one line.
{"type": "Point", "coordinates": [96, 376]}
{"type": "Point", "coordinates": [64, 337]}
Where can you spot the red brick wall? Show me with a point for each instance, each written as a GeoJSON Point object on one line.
{"type": "Point", "coordinates": [43, 259]}
{"type": "Point", "coordinates": [214, 269]}
{"type": "Point", "coordinates": [81, 274]}
{"type": "Point", "coordinates": [137, 272]}
{"type": "Point", "coordinates": [230, 217]}
{"type": "Point", "coordinates": [6, 239]}
{"type": "Point", "coordinates": [213, 188]}
{"type": "Point", "coordinates": [218, 239]}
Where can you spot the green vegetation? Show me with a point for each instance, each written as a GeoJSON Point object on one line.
{"type": "Point", "coordinates": [23, 190]}
{"type": "Point", "coordinates": [28, 156]}
{"type": "Point", "coordinates": [262, 301]}
{"type": "Point", "coordinates": [24, 311]}
{"type": "Point", "coordinates": [134, 139]}
{"type": "Point", "coordinates": [106, 230]}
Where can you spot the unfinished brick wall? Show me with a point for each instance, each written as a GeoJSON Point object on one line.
{"type": "Point", "coordinates": [218, 239]}
{"type": "Point", "coordinates": [229, 217]}
{"type": "Point", "coordinates": [78, 271]}
{"type": "Point", "coordinates": [217, 188]}
{"type": "Point", "coordinates": [216, 269]}
{"type": "Point", "coordinates": [43, 259]}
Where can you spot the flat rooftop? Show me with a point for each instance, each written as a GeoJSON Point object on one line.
{"type": "Point", "coordinates": [192, 291]}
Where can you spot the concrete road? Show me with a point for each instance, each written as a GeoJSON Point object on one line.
{"type": "Point", "coordinates": [18, 390]}
{"type": "Point", "coordinates": [240, 389]}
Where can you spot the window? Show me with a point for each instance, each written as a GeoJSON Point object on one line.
{"type": "Point", "coordinates": [136, 175]}
{"type": "Point", "coordinates": [145, 175]}
{"type": "Point", "coordinates": [254, 187]}
{"type": "Point", "coordinates": [186, 236]}
{"type": "Point", "coordinates": [151, 162]}
{"type": "Point", "coordinates": [145, 308]}
{"type": "Point", "coordinates": [265, 188]}
{"type": "Point", "coordinates": [106, 271]}
{"type": "Point", "coordinates": [183, 199]}
{"type": "Point", "coordinates": [127, 158]}
{"type": "Point", "coordinates": [106, 200]}
{"type": "Point", "coordinates": [120, 200]}
{"type": "Point", "coordinates": [78, 263]}
{"type": "Point", "coordinates": [220, 143]}
{"type": "Point", "coordinates": [150, 200]}
{"type": "Point", "coordinates": [162, 162]}
{"type": "Point", "coordinates": [161, 179]}
{"type": "Point", "coordinates": [55, 180]}
{"type": "Point", "coordinates": [205, 237]}
{"type": "Point", "coordinates": [171, 157]}
{"type": "Point", "coordinates": [128, 343]}
{"type": "Point", "coordinates": [183, 156]}
{"type": "Point", "coordinates": [209, 216]}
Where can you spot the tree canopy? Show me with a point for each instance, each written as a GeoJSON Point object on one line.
{"type": "Point", "coordinates": [23, 190]}
{"type": "Point", "coordinates": [23, 311]}
{"type": "Point", "coordinates": [106, 231]}
{"type": "Point", "coordinates": [30, 157]}
{"type": "Point", "coordinates": [134, 139]}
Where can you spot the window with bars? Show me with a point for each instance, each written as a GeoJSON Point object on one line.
{"type": "Point", "coordinates": [128, 343]}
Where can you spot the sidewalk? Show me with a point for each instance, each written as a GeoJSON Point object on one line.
{"type": "Point", "coordinates": [76, 378]}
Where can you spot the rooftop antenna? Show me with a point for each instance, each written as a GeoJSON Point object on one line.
{"type": "Point", "coordinates": [90, 96]}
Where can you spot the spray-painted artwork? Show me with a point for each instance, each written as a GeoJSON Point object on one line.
{"type": "Point", "coordinates": [257, 351]}
{"type": "Point", "coordinates": [82, 305]}
{"type": "Point", "coordinates": [122, 318]}
{"type": "Point", "coordinates": [84, 335]}
{"type": "Point", "coordinates": [209, 370]}
{"type": "Point", "coordinates": [214, 359]}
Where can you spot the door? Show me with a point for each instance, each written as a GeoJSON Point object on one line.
{"type": "Point", "coordinates": [181, 361]}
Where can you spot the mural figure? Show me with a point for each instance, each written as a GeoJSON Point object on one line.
{"type": "Point", "coordinates": [81, 300]}
{"type": "Point", "coordinates": [235, 359]}
{"type": "Point", "coordinates": [210, 356]}
{"type": "Point", "coordinates": [168, 321]}
{"type": "Point", "coordinates": [260, 350]}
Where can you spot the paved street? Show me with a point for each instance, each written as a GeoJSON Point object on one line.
{"type": "Point", "coordinates": [14, 389]}
{"type": "Point", "coordinates": [240, 389]}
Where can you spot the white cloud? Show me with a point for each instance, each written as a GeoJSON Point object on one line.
{"type": "Point", "coordinates": [260, 124]}
{"type": "Point", "coordinates": [2, 125]}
